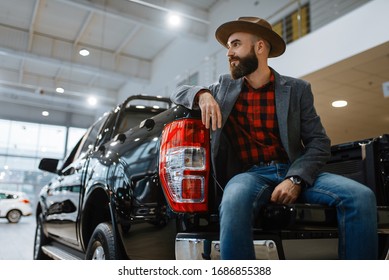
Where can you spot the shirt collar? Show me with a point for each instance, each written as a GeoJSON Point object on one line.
{"type": "Point", "coordinates": [268, 86]}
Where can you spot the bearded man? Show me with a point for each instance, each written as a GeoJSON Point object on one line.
{"type": "Point", "coordinates": [268, 145]}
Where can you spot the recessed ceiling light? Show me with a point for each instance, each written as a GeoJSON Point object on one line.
{"type": "Point", "coordinates": [92, 101]}
{"type": "Point", "coordinates": [174, 20]}
{"type": "Point", "coordinates": [59, 90]}
{"type": "Point", "coordinates": [45, 113]}
{"type": "Point", "coordinates": [339, 103]}
{"type": "Point", "coordinates": [84, 52]}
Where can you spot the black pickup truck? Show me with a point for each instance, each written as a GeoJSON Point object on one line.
{"type": "Point", "coordinates": [140, 186]}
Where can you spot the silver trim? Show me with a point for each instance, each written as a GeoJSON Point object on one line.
{"type": "Point", "coordinates": [58, 254]}
{"type": "Point", "coordinates": [193, 249]}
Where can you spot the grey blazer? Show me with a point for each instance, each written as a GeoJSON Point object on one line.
{"type": "Point", "coordinates": [302, 133]}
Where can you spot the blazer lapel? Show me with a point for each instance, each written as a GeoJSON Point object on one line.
{"type": "Point", "coordinates": [230, 93]}
{"type": "Point", "coordinates": [282, 97]}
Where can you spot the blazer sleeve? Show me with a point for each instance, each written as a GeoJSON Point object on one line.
{"type": "Point", "coordinates": [185, 95]}
{"type": "Point", "coordinates": [311, 144]}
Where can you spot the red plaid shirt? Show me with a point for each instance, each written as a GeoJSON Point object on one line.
{"type": "Point", "coordinates": [252, 126]}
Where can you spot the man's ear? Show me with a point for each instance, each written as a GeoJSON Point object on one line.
{"type": "Point", "coordinates": [262, 47]}
{"type": "Point", "coordinates": [259, 46]}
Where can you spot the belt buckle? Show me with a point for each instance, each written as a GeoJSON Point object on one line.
{"type": "Point", "coordinates": [267, 163]}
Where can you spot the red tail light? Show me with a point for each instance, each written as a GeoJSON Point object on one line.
{"type": "Point", "coordinates": [184, 165]}
{"type": "Point", "coordinates": [24, 200]}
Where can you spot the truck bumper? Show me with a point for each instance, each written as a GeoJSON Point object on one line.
{"type": "Point", "coordinates": [298, 231]}
{"type": "Point", "coordinates": [189, 248]}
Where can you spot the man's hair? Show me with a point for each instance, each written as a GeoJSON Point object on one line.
{"type": "Point", "coordinates": [256, 38]}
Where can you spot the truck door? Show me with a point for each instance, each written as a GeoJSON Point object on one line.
{"type": "Point", "coordinates": [63, 201]}
{"type": "Point", "coordinates": [65, 194]}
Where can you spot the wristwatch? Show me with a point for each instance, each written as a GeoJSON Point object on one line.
{"type": "Point", "coordinates": [296, 180]}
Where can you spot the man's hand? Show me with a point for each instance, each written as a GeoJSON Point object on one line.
{"type": "Point", "coordinates": [286, 192]}
{"type": "Point", "coordinates": [210, 110]}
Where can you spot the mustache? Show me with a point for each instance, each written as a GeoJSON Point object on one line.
{"type": "Point", "coordinates": [232, 58]}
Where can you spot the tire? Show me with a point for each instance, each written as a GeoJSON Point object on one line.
{"type": "Point", "coordinates": [13, 216]}
{"type": "Point", "coordinates": [39, 241]}
{"type": "Point", "coordinates": [102, 244]}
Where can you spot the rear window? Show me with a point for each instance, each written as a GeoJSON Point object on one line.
{"type": "Point", "coordinates": [8, 196]}
{"type": "Point", "coordinates": [132, 118]}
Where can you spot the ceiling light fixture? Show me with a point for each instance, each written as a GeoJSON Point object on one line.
{"type": "Point", "coordinates": [144, 3]}
{"type": "Point", "coordinates": [174, 20]}
{"type": "Point", "coordinates": [59, 90]}
{"type": "Point", "coordinates": [84, 52]}
{"type": "Point", "coordinates": [92, 101]}
{"type": "Point", "coordinates": [339, 103]}
{"type": "Point", "coordinates": [45, 113]}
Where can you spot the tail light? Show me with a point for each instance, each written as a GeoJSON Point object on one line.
{"type": "Point", "coordinates": [184, 165]}
{"type": "Point", "coordinates": [25, 200]}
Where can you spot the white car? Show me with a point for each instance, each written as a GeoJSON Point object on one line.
{"type": "Point", "coordinates": [14, 205]}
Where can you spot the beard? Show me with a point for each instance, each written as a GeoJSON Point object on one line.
{"type": "Point", "coordinates": [246, 65]}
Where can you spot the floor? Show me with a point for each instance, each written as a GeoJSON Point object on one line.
{"type": "Point", "coordinates": [17, 240]}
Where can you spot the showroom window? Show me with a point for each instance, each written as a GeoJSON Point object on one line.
{"type": "Point", "coordinates": [23, 144]}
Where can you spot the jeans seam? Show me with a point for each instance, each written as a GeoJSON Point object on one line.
{"type": "Point", "coordinates": [339, 211]}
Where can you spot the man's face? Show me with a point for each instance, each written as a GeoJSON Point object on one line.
{"type": "Point", "coordinates": [241, 55]}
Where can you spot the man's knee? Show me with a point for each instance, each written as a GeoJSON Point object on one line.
{"type": "Point", "coordinates": [366, 197]}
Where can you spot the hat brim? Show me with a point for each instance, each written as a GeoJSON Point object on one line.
{"type": "Point", "coordinates": [225, 30]}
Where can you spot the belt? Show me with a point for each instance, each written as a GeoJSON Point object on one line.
{"type": "Point", "coordinates": [265, 163]}
{"type": "Point", "coordinates": [270, 163]}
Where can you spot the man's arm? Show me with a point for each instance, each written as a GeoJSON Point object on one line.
{"type": "Point", "coordinates": [197, 97]}
{"type": "Point", "coordinates": [186, 96]}
{"type": "Point", "coordinates": [315, 142]}
{"type": "Point", "coordinates": [316, 150]}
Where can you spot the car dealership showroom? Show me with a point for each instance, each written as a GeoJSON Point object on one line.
{"type": "Point", "coordinates": [91, 142]}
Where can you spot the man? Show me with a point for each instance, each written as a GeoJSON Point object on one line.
{"type": "Point", "coordinates": [267, 124]}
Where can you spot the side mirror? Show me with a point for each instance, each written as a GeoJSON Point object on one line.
{"type": "Point", "coordinates": [49, 165]}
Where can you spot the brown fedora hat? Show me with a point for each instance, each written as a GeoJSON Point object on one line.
{"type": "Point", "coordinates": [253, 25]}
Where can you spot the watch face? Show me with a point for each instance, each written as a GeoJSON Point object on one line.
{"type": "Point", "coordinates": [296, 180]}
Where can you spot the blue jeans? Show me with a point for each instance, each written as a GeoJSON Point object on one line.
{"type": "Point", "coordinates": [355, 204]}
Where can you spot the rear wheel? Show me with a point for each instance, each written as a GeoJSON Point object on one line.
{"type": "Point", "coordinates": [40, 240]}
{"type": "Point", "coordinates": [14, 216]}
{"type": "Point", "coordinates": [102, 244]}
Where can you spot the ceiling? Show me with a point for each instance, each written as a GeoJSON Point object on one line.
{"type": "Point", "coordinates": [358, 80]}
{"type": "Point", "coordinates": [40, 40]}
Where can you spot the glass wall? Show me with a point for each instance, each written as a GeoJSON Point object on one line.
{"type": "Point", "coordinates": [23, 144]}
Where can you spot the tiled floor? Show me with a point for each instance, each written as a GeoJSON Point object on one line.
{"type": "Point", "coordinates": [17, 240]}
